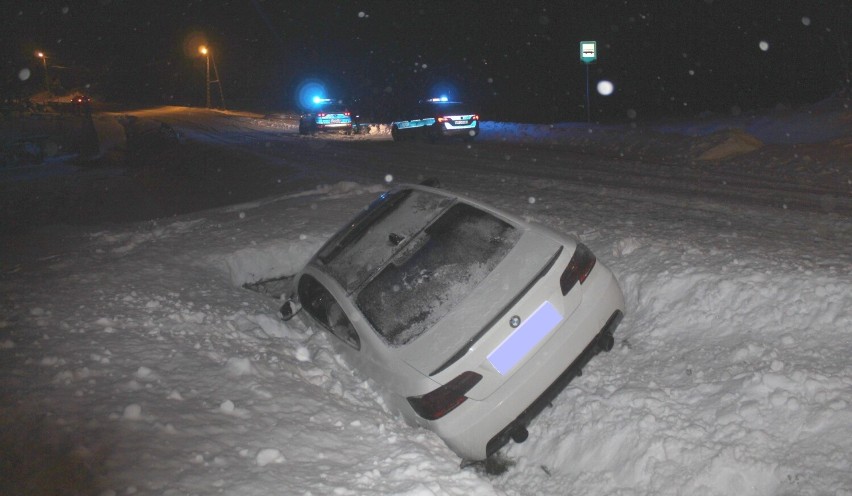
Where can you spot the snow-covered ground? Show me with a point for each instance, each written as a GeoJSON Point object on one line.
{"type": "Point", "coordinates": [133, 362]}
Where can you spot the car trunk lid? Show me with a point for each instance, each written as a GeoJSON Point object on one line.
{"type": "Point", "coordinates": [452, 336]}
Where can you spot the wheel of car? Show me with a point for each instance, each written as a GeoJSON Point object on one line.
{"type": "Point", "coordinates": [396, 134]}
{"type": "Point", "coordinates": [302, 128]}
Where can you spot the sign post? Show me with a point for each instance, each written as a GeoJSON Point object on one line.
{"type": "Point", "coordinates": [588, 54]}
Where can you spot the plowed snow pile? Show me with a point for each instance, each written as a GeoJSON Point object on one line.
{"type": "Point", "coordinates": [134, 362]}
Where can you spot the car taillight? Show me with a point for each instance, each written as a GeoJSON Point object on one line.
{"type": "Point", "coordinates": [441, 119]}
{"type": "Point", "coordinates": [476, 117]}
{"type": "Point", "coordinates": [346, 113]}
{"type": "Point", "coordinates": [321, 114]}
{"type": "Point", "coordinates": [436, 404]}
{"type": "Point", "coordinates": [578, 268]}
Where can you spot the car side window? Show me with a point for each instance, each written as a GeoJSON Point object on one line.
{"type": "Point", "coordinates": [321, 305]}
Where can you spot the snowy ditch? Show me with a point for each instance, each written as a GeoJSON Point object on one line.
{"type": "Point", "coordinates": [144, 362]}
{"type": "Point", "coordinates": [268, 271]}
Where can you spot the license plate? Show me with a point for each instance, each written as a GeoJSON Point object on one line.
{"type": "Point", "coordinates": [335, 121]}
{"type": "Point", "coordinates": [461, 123]}
{"type": "Point", "coordinates": [523, 339]}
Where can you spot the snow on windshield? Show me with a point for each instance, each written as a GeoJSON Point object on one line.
{"type": "Point", "coordinates": [378, 233]}
{"type": "Point", "coordinates": [425, 282]}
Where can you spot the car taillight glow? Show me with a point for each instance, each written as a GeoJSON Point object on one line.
{"type": "Point", "coordinates": [321, 114]}
{"type": "Point", "coordinates": [474, 117]}
{"type": "Point", "coordinates": [346, 113]}
{"type": "Point", "coordinates": [578, 269]}
{"type": "Point", "coordinates": [436, 404]}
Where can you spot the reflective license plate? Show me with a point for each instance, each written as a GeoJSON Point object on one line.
{"type": "Point", "coordinates": [523, 339]}
{"type": "Point", "coordinates": [335, 121]}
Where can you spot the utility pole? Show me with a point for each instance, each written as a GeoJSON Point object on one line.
{"type": "Point", "coordinates": [207, 81]}
{"type": "Point", "coordinates": [218, 82]}
{"type": "Point", "coordinates": [43, 58]}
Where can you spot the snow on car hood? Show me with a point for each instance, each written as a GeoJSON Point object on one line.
{"type": "Point", "coordinates": [488, 300]}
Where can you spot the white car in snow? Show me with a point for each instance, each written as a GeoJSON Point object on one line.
{"type": "Point", "coordinates": [470, 319]}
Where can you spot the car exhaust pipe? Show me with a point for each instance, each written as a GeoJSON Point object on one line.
{"type": "Point", "coordinates": [605, 341]}
{"type": "Point", "coordinates": [519, 434]}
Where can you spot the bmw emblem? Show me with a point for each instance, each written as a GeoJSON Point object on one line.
{"type": "Point", "coordinates": [515, 321]}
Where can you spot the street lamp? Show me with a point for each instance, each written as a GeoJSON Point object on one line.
{"type": "Point", "coordinates": [203, 50]}
{"type": "Point", "coordinates": [43, 58]}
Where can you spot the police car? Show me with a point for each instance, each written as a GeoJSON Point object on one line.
{"type": "Point", "coordinates": [437, 118]}
{"type": "Point", "coordinates": [327, 115]}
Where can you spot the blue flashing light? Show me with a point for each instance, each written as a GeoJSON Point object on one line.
{"type": "Point", "coordinates": [308, 92]}
{"type": "Point", "coordinates": [444, 89]}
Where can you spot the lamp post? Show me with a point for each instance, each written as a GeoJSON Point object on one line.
{"type": "Point", "coordinates": [209, 57]}
{"type": "Point", "coordinates": [203, 50]}
{"type": "Point", "coordinates": [43, 58]}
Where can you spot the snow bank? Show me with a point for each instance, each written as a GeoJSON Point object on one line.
{"type": "Point", "coordinates": [133, 362]}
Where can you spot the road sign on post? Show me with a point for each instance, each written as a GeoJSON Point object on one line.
{"type": "Point", "coordinates": [588, 54]}
{"type": "Point", "coordinates": [588, 51]}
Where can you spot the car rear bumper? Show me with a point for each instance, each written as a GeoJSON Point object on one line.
{"type": "Point", "coordinates": [449, 130]}
{"type": "Point", "coordinates": [342, 125]}
{"type": "Point", "coordinates": [602, 342]}
{"type": "Point", "coordinates": [476, 429]}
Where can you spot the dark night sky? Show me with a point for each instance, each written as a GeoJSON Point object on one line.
{"type": "Point", "coordinates": [517, 60]}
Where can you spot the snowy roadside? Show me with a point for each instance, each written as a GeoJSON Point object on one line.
{"type": "Point", "coordinates": [133, 362]}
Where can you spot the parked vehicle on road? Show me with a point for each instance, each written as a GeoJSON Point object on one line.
{"type": "Point", "coordinates": [436, 118]}
{"type": "Point", "coordinates": [326, 115]}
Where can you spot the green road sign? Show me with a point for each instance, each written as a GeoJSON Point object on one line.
{"type": "Point", "coordinates": [588, 51]}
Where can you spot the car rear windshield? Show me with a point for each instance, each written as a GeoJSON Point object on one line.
{"type": "Point", "coordinates": [373, 237]}
{"type": "Point", "coordinates": [434, 272]}
{"type": "Point", "coordinates": [449, 109]}
{"type": "Point", "coordinates": [333, 109]}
